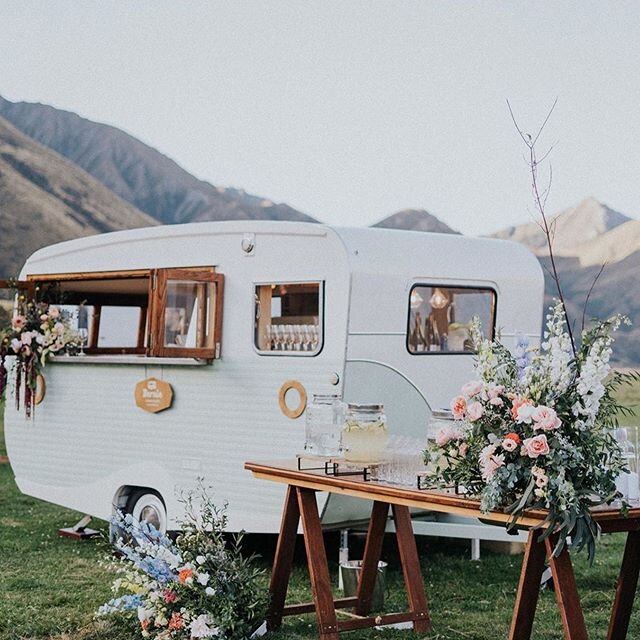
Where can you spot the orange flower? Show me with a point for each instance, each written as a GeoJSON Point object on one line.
{"type": "Point", "coordinates": [517, 403]}
{"type": "Point", "coordinates": [513, 436]}
{"type": "Point", "coordinates": [185, 575]}
{"type": "Point", "coordinates": [176, 621]}
{"type": "Point", "coordinates": [145, 624]}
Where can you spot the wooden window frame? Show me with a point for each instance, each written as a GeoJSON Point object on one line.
{"type": "Point", "coordinates": [152, 314]}
{"type": "Point", "coordinates": [158, 297]}
{"type": "Point", "coordinates": [263, 301]}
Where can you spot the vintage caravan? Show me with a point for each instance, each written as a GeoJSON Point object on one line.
{"type": "Point", "coordinates": [243, 322]}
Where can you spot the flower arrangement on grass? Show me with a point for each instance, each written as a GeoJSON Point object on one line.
{"type": "Point", "coordinates": [201, 586]}
{"type": "Point", "coordinates": [536, 429]}
{"type": "Point", "coordinates": [37, 331]}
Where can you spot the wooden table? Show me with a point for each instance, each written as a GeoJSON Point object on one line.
{"type": "Point", "coordinates": [300, 504]}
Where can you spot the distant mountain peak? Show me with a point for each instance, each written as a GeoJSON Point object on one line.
{"type": "Point", "coordinates": [571, 228]}
{"type": "Point", "coordinates": [415, 220]}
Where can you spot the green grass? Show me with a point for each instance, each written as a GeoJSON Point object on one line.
{"type": "Point", "coordinates": [50, 586]}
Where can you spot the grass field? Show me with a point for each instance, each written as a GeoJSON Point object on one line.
{"type": "Point", "coordinates": [50, 586]}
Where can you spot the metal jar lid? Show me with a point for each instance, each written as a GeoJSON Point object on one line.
{"type": "Point", "coordinates": [365, 407]}
{"type": "Point", "coordinates": [442, 414]}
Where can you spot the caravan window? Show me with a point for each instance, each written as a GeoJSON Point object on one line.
{"type": "Point", "coordinates": [440, 316]}
{"type": "Point", "coordinates": [156, 312]}
{"type": "Point", "coordinates": [288, 318]}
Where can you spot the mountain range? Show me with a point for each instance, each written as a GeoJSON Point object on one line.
{"type": "Point", "coordinates": [63, 176]}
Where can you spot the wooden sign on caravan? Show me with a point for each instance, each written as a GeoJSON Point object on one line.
{"type": "Point", "coordinates": [154, 395]}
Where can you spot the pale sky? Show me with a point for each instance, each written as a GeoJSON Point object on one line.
{"type": "Point", "coordinates": [350, 111]}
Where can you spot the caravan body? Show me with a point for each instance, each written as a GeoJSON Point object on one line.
{"type": "Point", "coordinates": [90, 447]}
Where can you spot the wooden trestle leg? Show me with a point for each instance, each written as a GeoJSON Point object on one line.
{"type": "Point", "coordinates": [528, 588]}
{"type": "Point", "coordinates": [283, 559]}
{"type": "Point", "coordinates": [566, 592]}
{"type": "Point", "coordinates": [318, 568]}
{"type": "Point", "coordinates": [372, 551]}
{"type": "Point", "coordinates": [626, 588]}
{"type": "Point", "coordinates": [411, 569]}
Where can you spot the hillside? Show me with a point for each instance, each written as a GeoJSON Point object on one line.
{"type": "Point", "coordinates": [414, 220]}
{"type": "Point", "coordinates": [44, 198]}
{"type": "Point", "coordinates": [139, 174]}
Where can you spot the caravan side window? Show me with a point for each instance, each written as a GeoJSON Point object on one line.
{"type": "Point", "coordinates": [155, 312]}
{"type": "Point", "coordinates": [288, 318]}
{"type": "Point", "coordinates": [440, 317]}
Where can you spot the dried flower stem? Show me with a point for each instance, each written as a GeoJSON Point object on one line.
{"type": "Point", "coordinates": [540, 196]}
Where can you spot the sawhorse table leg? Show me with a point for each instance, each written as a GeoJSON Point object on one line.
{"type": "Point", "coordinates": [529, 587]}
{"type": "Point", "coordinates": [300, 504]}
{"type": "Point", "coordinates": [626, 588]}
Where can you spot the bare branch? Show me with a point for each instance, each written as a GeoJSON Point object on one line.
{"type": "Point", "coordinates": [540, 196]}
{"type": "Point", "coordinates": [593, 284]}
{"type": "Point", "coordinates": [544, 124]}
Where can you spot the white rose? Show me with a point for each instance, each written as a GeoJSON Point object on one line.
{"type": "Point", "coordinates": [203, 578]}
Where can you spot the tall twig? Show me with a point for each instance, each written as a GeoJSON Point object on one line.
{"type": "Point", "coordinates": [593, 284]}
{"type": "Point", "coordinates": [540, 196]}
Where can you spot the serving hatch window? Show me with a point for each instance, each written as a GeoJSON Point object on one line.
{"type": "Point", "coordinates": [288, 318]}
{"type": "Point", "coordinates": [156, 312]}
{"type": "Point", "coordinates": [440, 317]}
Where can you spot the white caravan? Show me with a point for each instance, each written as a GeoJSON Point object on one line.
{"type": "Point", "coordinates": [243, 320]}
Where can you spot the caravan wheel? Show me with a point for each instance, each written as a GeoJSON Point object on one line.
{"type": "Point", "coordinates": [147, 506]}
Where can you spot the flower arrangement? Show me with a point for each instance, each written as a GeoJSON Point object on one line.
{"type": "Point", "coordinates": [198, 587]}
{"type": "Point", "coordinates": [536, 429]}
{"type": "Point", "coordinates": [37, 331]}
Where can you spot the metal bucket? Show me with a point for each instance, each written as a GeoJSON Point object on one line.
{"type": "Point", "coordinates": [350, 571]}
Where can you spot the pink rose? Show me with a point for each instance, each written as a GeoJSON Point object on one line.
{"type": "Point", "coordinates": [54, 312]}
{"type": "Point", "coordinates": [494, 391]}
{"type": "Point", "coordinates": [446, 434]}
{"type": "Point", "coordinates": [474, 411]}
{"type": "Point", "coordinates": [471, 388]}
{"type": "Point", "coordinates": [459, 407]}
{"type": "Point", "coordinates": [44, 317]}
{"type": "Point", "coordinates": [508, 444]}
{"type": "Point", "coordinates": [545, 418]}
{"type": "Point", "coordinates": [496, 402]}
{"type": "Point", "coordinates": [536, 446]}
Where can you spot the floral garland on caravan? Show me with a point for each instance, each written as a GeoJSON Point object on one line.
{"type": "Point", "coordinates": [37, 330]}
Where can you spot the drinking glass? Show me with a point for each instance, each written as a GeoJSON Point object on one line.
{"type": "Point", "coordinates": [83, 334]}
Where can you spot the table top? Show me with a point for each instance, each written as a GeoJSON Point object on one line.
{"type": "Point", "coordinates": [287, 472]}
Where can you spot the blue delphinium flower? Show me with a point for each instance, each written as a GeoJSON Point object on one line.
{"type": "Point", "coordinates": [521, 354]}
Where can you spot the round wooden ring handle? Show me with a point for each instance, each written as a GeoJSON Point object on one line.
{"type": "Point", "coordinates": [41, 389]}
{"type": "Point", "coordinates": [302, 404]}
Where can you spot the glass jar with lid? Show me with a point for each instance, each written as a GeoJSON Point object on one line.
{"type": "Point", "coordinates": [323, 426]}
{"type": "Point", "coordinates": [440, 419]}
{"type": "Point", "coordinates": [364, 437]}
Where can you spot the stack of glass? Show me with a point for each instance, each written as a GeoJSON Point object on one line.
{"type": "Point", "coordinates": [628, 484]}
{"type": "Point", "coordinates": [403, 461]}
